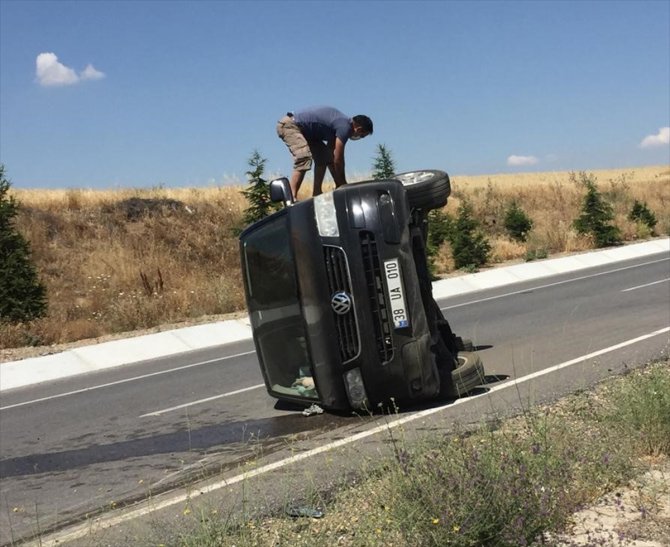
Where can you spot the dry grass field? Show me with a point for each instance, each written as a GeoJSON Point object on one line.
{"type": "Point", "coordinates": [553, 200]}
{"type": "Point", "coordinates": [114, 263]}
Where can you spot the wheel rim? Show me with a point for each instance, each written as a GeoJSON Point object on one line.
{"type": "Point", "coordinates": [414, 177]}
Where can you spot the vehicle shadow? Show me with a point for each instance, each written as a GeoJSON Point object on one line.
{"type": "Point", "coordinates": [483, 347]}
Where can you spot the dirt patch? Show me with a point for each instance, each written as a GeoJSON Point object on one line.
{"type": "Point", "coordinates": [637, 515]}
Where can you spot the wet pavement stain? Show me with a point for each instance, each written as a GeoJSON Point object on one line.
{"type": "Point", "coordinates": [202, 439]}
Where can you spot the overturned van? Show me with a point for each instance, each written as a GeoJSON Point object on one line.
{"type": "Point", "coordinates": [340, 298]}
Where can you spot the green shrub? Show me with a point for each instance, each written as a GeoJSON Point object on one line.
{"type": "Point", "coordinates": [517, 222]}
{"type": "Point", "coordinates": [641, 213]}
{"type": "Point", "coordinates": [22, 295]}
{"type": "Point", "coordinates": [596, 215]}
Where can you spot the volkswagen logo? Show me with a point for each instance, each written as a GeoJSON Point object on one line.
{"type": "Point", "coordinates": [341, 303]}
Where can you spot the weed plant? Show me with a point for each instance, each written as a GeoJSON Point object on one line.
{"type": "Point", "coordinates": [640, 408]}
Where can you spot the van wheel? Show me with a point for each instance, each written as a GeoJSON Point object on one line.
{"type": "Point", "coordinates": [466, 376]}
{"type": "Point", "coordinates": [426, 189]}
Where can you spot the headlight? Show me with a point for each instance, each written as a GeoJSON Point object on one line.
{"type": "Point", "coordinates": [355, 388]}
{"type": "Point", "coordinates": [326, 217]}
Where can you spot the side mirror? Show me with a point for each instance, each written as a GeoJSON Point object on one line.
{"type": "Point", "coordinates": [280, 190]}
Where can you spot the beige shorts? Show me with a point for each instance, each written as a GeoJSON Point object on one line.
{"type": "Point", "coordinates": [303, 152]}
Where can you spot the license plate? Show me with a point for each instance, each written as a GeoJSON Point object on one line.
{"type": "Point", "coordinates": [396, 293]}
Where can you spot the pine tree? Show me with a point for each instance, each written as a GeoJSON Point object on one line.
{"type": "Point", "coordinates": [469, 246]}
{"type": "Point", "coordinates": [383, 166]}
{"type": "Point", "coordinates": [258, 192]}
{"type": "Point", "coordinates": [596, 215]}
{"type": "Point", "coordinates": [22, 296]}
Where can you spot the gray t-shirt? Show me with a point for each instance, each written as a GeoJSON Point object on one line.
{"type": "Point", "coordinates": [323, 123]}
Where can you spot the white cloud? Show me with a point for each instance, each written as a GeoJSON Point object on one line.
{"type": "Point", "coordinates": [520, 161]}
{"type": "Point", "coordinates": [661, 138]}
{"type": "Point", "coordinates": [51, 72]}
{"type": "Point", "coordinates": [90, 73]}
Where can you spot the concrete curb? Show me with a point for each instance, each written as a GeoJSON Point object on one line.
{"type": "Point", "coordinates": [120, 352]}
{"type": "Point", "coordinates": [141, 348]}
{"type": "Point", "coordinates": [507, 275]}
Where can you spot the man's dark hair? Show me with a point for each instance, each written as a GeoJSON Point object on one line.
{"type": "Point", "coordinates": [364, 122]}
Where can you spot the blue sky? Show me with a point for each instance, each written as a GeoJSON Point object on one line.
{"type": "Point", "coordinates": [104, 94]}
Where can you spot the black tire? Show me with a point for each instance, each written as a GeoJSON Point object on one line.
{"type": "Point", "coordinates": [466, 376]}
{"type": "Point", "coordinates": [426, 189]}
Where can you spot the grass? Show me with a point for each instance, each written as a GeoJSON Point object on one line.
{"type": "Point", "coordinates": [110, 267]}
{"type": "Point", "coordinates": [518, 483]}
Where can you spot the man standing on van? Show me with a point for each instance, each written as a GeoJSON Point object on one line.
{"type": "Point", "coordinates": [318, 135]}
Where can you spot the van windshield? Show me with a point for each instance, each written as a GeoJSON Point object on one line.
{"type": "Point", "coordinates": [274, 309]}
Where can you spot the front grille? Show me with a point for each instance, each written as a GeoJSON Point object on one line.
{"type": "Point", "coordinates": [339, 280]}
{"type": "Point", "coordinates": [377, 297]}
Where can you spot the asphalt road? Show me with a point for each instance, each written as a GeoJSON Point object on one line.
{"type": "Point", "coordinates": [88, 444]}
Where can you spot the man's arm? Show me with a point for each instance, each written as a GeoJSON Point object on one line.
{"type": "Point", "coordinates": [337, 169]}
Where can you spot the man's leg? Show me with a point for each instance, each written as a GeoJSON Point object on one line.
{"type": "Point", "coordinates": [290, 133]}
{"type": "Point", "coordinates": [322, 156]}
{"type": "Point", "coordinates": [296, 180]}
{"type": "Point", "coordinates": [331, 168]}
{"type": "Point", "coordinates": [319, 174]}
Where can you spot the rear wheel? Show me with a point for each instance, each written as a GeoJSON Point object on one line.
{"type": "Point", "coordinates": [426, 189]}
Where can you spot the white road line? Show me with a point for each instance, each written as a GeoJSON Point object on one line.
{"type": "Point", "coordinates": [237, 391]}
{"type": "Point", "coordinates": [646, 285]}
{"type": "Point", "coordinates": [81, 530]}
{"type": "Point", "coordinates": [551, 284]}
{"type": "Point", "coordinates": [126, 380]}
